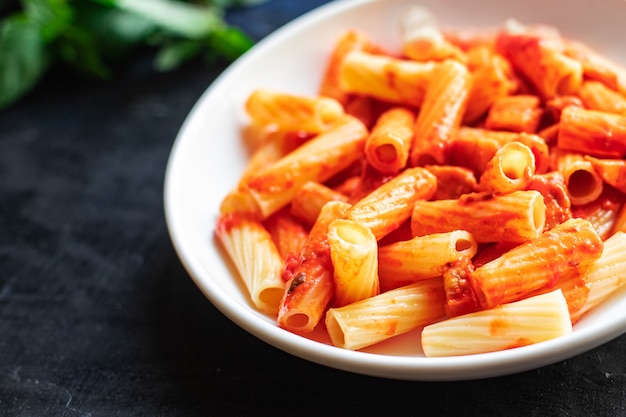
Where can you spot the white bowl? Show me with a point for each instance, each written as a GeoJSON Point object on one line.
{"type": "Point", "coordinates": [208, 157]}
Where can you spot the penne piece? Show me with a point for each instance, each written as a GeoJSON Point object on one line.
{"type": "Point", "coordinates": [309, 280]}
{"type": "Point", "coordinates": [604, 276]}
{"type": "Point", "coordinates": [491, 81]}
{"type": "Point", "coordinates": [375, 319]}
{"type": "Point", "coordinates": [251, 249]}
{"type": "Point", "coordinates": [592, 132]}
{"type": "Point", "coordinates": [541, 60]}
{"type": "Point", "coordinates": [441, 113]}
{"type": "Point", "coordinates": [353, 252]}
{"type": "Point", "coordinates": [597, 96]}
{"type": "Point", "coordinates": [388, 206]}
{"type": "Point", "coordinates": [423, 41]}
{"type": "Point", "coordinates": [316, 160]}
{"type": "Point", "coordinates": [510, 169]}
{"type": "Point", "coordinates": [293, 112]}
{"type": "Point", "coordinates": [519, 113]}
{"type": "Point", "coordinates": [515, 217]}
{"type": "Point", "coordinates": [287, 232]}
{"type": "Point", "coordinates": [612, 171]}
{"type": "Point", "coordinates": [350, 40]}
{"type": "Point", "coordinates": [422, 257]}
{"type": "Point", "coordinates": [583, 183]}
{"type": "Point", "coordinates": [537, 264]}
{"type": "Point", "coordinates": [386, 78]}
{"type": "Point", "coordinates": [533, 320]}
{"type": "Point", "coordinates": [310, 198]}
{"type": "Point", "coordinates": [387, 146]}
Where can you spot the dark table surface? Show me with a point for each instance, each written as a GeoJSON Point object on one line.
{"type": "Point", "coordinates": [99, 318]}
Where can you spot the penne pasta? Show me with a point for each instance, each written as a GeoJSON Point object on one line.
{"type": "Point", "coordinates": [491, 81]}
{"type": "Point", "coordinates": [612, 171]}
{"type": "Point", "coordinates": [519, 113]}
{"type": "Point", "coordinates": [387, 146]}
{"type": "Point", "coordinates": [583, 183]}
{"type": "Point", "coordinates": [473, 148]}
{"type": "Point", "coordinates": [597, 96]}
{"type": "Point", "coordinates": [316, 160]}
{"type": "Point", "coordinates": [422, 257]}
{"type": "Point", "coordinates": [309, 277]}
{"type": "Point", "coordinates": [288, 234]}
{"type": "Point", "coordinates": [375, 319]}
{"type": "Point", "coordinates": [310, 198]}
{"type": "Point", "coordinates": [515, 217]}
{"type": "Point", "coordinates": [353, 252]}
{"type": "Point", "coordinates": [510, 169]}
{"type": "Point", "coordinates": [350, 40]}
{"type": "Point", "coordinates": [507, 326]}
{"type": "Point", "coordinates": [471, 187]}
{"type": "Point", "coordinates": [555, 197]}
{"type": "Point", "coordinates": [542, 61]}
{"type": "Point", "coordinates": [391, 204]}
{"type": "Point", "coordinates": [423, 41]}
{"type": "Point", "coordinates": [602, 278]}
{"type": "Point", "coordinates": [592, 132]}
{"type": "Point", "coordinates": [441, 113]}
{"type": "Point", "coordinates": [253, 253]}
{"type": "Point", "coordinates": [293, 112]}
{"type": "Point", "coordinates": [452, 181]}
{"type": "Point", "coordinates": [537, 263]}
{"type": "Point", "coordinates": [386, 78]}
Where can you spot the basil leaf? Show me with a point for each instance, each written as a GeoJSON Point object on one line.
{"type": "Point", "coordinates": [22, 58]}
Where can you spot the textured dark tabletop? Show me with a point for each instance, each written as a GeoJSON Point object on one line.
{"type": "Point", "coordinates": [99, 318]}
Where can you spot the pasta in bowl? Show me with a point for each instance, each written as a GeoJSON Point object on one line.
{"type": "Point", "coordinates": [345, 241]}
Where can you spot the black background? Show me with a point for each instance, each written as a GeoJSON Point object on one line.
{"type": "Point", "coordinates": [99, 318]}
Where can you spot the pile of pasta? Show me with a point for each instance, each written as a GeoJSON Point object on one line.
{"type": "Point", "coordinates": [470, 185]}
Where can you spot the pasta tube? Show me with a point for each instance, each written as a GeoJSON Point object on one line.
{"type": "Point", "coordinates": [583, 183]}
{"type": "Point", "coordinates": [387, 146]}
{"type": "Point", "coordinates": [391, 204]}
{"type": "Point", "coordinates": [353, 252]}
{"type": "Point", "coordinates": [310, 198]}
{"type": "Point", "coordinates": [386, 315]}
{"type": "Point", "coordinates": [441, 113]}
{"type": "Point", "coordinates": [293, 112]}
{"type": "Point", "coordinates": [597, 96]}
{"type": "Point", "coordinates": [350, 40]}
{"type": "Point", "coordinates": [602, 278]}
{"type": "Point", "coordinates": [519, 113]}
{"type": "Point", "coordinates": [507, 326]}
{"type": "Point", "coordinates": [423, 41]}
{"type": "Point", "coordinates": [592, 132]}
{"type": "Point", "coordinates": [541, 60]}
{"type": "Point", "coordinates": [510, 169]}
{"type": "Point", "coordinates": [515, 217]}
{"type": "Point", "coordinates": [422, 257]}
{"type": "Point", "coordinates": [251, 249]}
{"type": "Point", "coordinates": [316, 160]}
{"type": "Point", "coordinates": [309, 277]}
{"type": "Point", "coordinates": [537, 263]}
{"type": "Point", "coordinates": [491, 81]}
{"type": "Point", "coordinates": [385, 78]}
{"type": "Point", "coordinates": [612, 171]}
{"type": "Point", "coordinates": [287, 232]}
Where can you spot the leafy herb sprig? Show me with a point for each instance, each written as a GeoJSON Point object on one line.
{"type": "Point", "coordinates": [94, 37]}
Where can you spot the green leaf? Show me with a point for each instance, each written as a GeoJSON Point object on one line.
{"type": "Point", "coordinates": [189, 20]}
{"type": "Point", "coordinates": [22, 58]}
{"type": "Point", "coordinates": [173, 55]}
{"type": "Point", "coordinates": [115, 32]}
{"type": "Point", "coordinates": [78, 49]}
{"type": "Point", "coordinates": [229, 43]}
{"type": "Point", "coordinates": [52, 16]}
